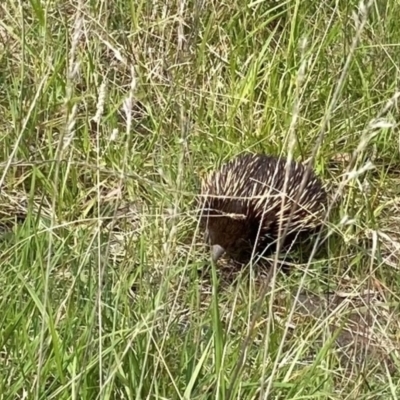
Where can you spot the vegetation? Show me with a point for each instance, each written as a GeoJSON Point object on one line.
{"type": "Point", "coordinates": [110, 114]}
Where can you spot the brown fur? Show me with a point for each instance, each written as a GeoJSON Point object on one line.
{"type": "Point", "coordinates": [249, 201]}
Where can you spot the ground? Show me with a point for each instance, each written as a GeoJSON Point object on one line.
{"type": "Point", "coordinates": [110, 114]}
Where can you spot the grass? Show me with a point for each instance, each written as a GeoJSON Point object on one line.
{"type": "Point", "coordinates": [110, 114]}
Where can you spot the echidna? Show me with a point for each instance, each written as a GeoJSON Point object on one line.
{"type": "Point", "coordinates": [242, 203]}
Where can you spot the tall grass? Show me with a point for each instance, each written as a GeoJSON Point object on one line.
{"type": "Point", "coordinates": [111, 112]}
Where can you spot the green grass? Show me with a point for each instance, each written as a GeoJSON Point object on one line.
{"type": "Point", "coordinates": [110, 113]}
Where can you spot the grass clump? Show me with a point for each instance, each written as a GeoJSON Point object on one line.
{"type": "Point", "coordinates": [110, 113]}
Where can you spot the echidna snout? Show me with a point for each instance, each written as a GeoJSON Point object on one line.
{"type": "Point", "coordinates": [228, 234]}
{"type": "Point", "coordinates": [244, 203]}
{"type": "Point", "coordinates": [217, 252]}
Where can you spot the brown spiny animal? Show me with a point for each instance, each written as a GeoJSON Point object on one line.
{"type": "Point", "coordinates": [242, 204]}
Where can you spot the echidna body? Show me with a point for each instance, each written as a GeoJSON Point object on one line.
{"type": "Point", "coordinates": [242, 203]}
